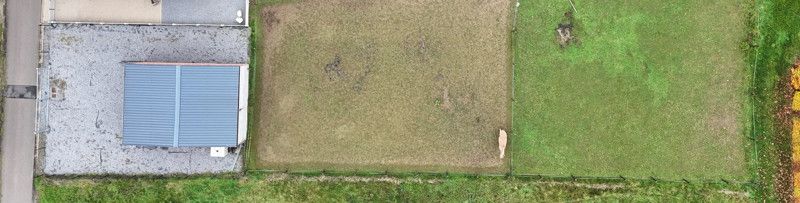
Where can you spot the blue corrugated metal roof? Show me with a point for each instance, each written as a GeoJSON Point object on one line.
{"type": "Point", "coordinates": [180, 106]}
{"type": "Point", "coordinates": [149, 105]}
{"type": "Point", "coordinates": [209, 92]}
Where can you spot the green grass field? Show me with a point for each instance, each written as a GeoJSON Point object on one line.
{"type": "Point", "coordinates": [653, 88]}
{"type": "Point", "coordinates": [361, 85]}
{"type": "Point", "coordinates": [289, 188]}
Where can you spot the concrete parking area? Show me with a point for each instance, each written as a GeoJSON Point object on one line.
{"type": "Point", "coordinates": [216, 12]}
{"type": "Point", "coordinates": [111, 11]}
{"type": "Point", "coordinates": [203, 11]}
{"type": "Point", "coordinates": [81, 95]}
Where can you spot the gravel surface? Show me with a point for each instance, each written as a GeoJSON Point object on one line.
{"type": "Point", "coordinates": [81, 95]}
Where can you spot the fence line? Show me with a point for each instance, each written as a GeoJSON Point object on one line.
{"type": "Point", "coordinates": [511, 173]}
{"type": "Point", "coordinates": [512, 44]}
{"type": "Point", "coordinates": [325, 172]}
{"type": "Point", "coordinates": [753, 137]}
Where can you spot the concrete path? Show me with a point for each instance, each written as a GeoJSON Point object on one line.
{"type": "Point", "coordinates": [138, 11]}
{"type": "Point", "coordinates": [22, 56]}
{"type": "Point", "coordinates": [108, 11]}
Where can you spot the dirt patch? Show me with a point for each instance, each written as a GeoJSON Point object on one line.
{"type": "Point", "coordinates": [373, 87]}
{"type": "Point", "coordinates": [270, 19]}
{"type": "Point", "coordinates": [57, 89]}
{"type": "Point", "coordinates": [360, 83]}
{"type": "Point", "coordinates": [565, 34]}
{"type": "Point", "coordinates": [788, 167]}
{"type": "Point", "coordinates": [69, 40]}
{"type": "Point", "coordinates": [599, 186]}
{"type": "Point", "coordinates": [741, 195]}
{"type": "Point", "coordinates": [333, 70]}
{"type": "Point", "coordinates": [350, 179]}
{"type": "Point", "coordinates": [784, 176]}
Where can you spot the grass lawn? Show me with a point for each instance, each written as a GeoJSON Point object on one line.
{"type": "Point", "coordinates": [289, 188]}
{"type": "Point", "coordinates": [348, 85]}
{"type": "Point", "coordinates": [652, 88]}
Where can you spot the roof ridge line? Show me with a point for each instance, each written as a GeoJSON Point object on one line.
{"type": "Point", "coordinates": [176, 120]}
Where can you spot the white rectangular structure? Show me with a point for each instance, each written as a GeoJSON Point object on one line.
{"type": "Point", "coordinates": [244, 86]}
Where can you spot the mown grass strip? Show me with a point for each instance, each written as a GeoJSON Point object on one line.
{"type": "Point", "coordinates": [259, 187]}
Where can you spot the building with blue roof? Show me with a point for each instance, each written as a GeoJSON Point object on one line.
{"type": "Point", "coordinates": [185, 104]}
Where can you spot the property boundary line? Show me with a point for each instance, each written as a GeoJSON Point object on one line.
{"type": "Point", "coordinates": [510, 173]}
{"type": "Point", "coordinates": [255, 73]}
{"type": "Point", "coordinates": [528, 176]}
{"type": "Point", "coordinates": [513, 58]}
{"type": "Point", "coordinates": [752, 89]}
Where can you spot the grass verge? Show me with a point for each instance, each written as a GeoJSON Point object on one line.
{"type": "Point", "coordinates": [256, 78]}
{"type": "Point", "coordinates": [292, 188]}
{"type": "Point", "coordinates": [773, 45]}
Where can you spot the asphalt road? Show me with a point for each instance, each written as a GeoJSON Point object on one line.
{"type": "Point", "coordinates": [22, 44]}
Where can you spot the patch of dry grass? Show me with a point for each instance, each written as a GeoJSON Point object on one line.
{"type": "Point", "coordinates": [383, 85]}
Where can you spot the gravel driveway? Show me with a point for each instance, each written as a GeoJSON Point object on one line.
{"type": "Point", "coordinates": [81, 84]}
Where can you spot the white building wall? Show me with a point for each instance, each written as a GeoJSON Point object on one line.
{"type": "Point", "coordinates": [244, 82]}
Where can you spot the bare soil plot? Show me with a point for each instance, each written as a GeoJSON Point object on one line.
{"type": "Point", "coordinates": [383, 85]}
